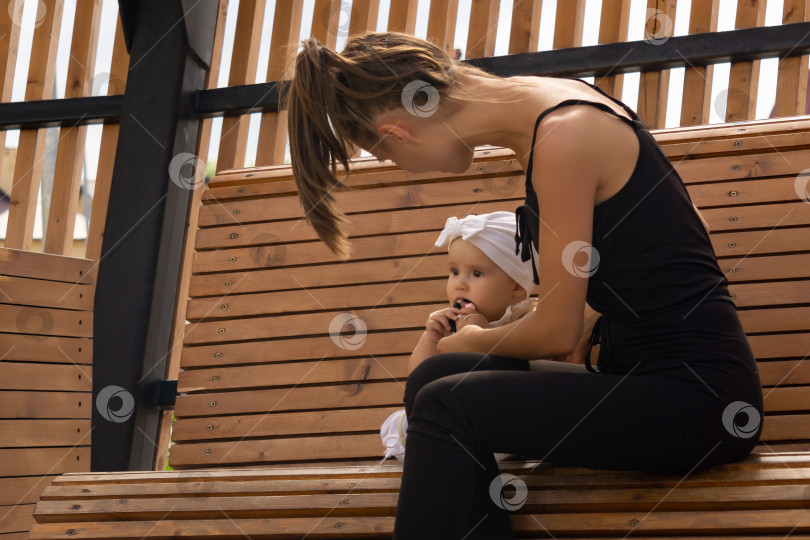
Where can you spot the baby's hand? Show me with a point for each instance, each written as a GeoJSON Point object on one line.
{"type": "Point", "coordinates": [438, 323]}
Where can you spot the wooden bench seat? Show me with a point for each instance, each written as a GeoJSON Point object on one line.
{"type": "Point", "coordinates": [293, 359]}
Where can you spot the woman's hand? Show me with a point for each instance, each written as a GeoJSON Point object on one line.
{"type": "Point", "coordinates": [462, 341]}
{"type": "Point", "coordinates": [577, 356]}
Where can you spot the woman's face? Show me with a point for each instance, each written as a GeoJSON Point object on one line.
{"type": "Point", "coordinates": [475, 278]}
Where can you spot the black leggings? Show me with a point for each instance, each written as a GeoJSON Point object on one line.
{"type": "Point", "coordinates": [463, 407]}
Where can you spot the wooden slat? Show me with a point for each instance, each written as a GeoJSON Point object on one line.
{"type": "Point", "coordinates": [441, 28]}
{"type": "Point", "coordinates": [569, 24]}
{"type": "Point", "coordinates": [44, 461]}
{"type": "Point", "coordinates": [218, 454]}
{"type": "Point", "coordinates": [659, 25]}
{"type": "Point", "coordinates": [45, 404]}
{"type": "Point", "coordinates": [761, 241]}
{"type": "Point", "coordinates": [771, 294]}
{"type": "Point", "coordinates": [402, 16]}
{"type": "Point", "coordinates": [786, 427]}
{"type": "Point", "coordinates": [27, 432]}
{"type": "Point", "coordinates": [26, 348]}
{"type": "Point", "coordinates": [298, 374]}
{"type": "Point", "coordinates": [482, 29]}
{"type": "Point", "coordinates": [385, 394]}
{"type": "Point", "coordinates": [31, 292]}
{"type": "Point", "coordinates": [31, 146]}
{"type": "Point", "coordinates": [70, 154]}
{"type": "Point", "coordinates": [15, 519]}
{"type": "Point", "coordinates": [283, 49]}
{"type": "Point", "coordinates": [119, 69]}
{"type": "Point", "coordinates": [791, 84]}
{"type": "Point", "coordinates": [15, 262]}
{"type": "Point", "coordinates": [20, 376]}
{"type": "Point", "coordinates": [764, 268]}
{"type": "Point", "coordinates": [738, 193]}
{"type": "Point", "coordinates": [615, 19]}
{"type": "Point", "coordinates": [787, 399]}
{"type": "Point", "coordinates": [784, 373]}
{"type": "Point", "coordinates": [44, 321]}
{"type": "Point", "coordinates": [280, 424]}
{"type": "Point", "coordinates": [298, 349]}
{"type": "Point", "coordinates": [9, 40]}
{"type": "Point", "coordinates": [697, 84]}
{"type": "Point", "coordinates": [25, 489]}
{"type": "Point", "coordinates": [525, 31]}
{"type": "Point", "coordinates": [244, 60]}
{"type": "Point", "coordinates": [363, 16]}
{"type": "Point", "coordinates": [743, 80]}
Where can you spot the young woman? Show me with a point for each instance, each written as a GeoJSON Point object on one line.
{"type": "Point", "coordinates": [614, 227]}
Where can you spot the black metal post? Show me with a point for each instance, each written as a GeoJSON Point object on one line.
{"type": "Point", "coordinates": [153, 177]}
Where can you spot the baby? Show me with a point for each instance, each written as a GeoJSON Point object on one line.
{"type": "Point", "coordinates": [488, 286]}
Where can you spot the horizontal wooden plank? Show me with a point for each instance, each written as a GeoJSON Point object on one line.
{"type": "Point", "coordinates": [785, 373]}
{"type": "Point", "coordinates": [44, 461]}
{"type": "Point", "coordinates": [772, 293]}
{"type": "Point", "coordinates": [24, 489]}
{"type": "Point", "coordinates": [386, 394]}
{"type": "Point", "coordinates": [795, 398]}
{"type": "Point", "coordinates": [24, 376]}
{"type": "Point", "coordinates": [296, 373]}
{"type": "Point", "coordinates": [346, 526]}
{"type": "Point", "coordinates": [791, 427]}
{"type": "Point", "coordinates": [381, 222]}
{"type": "Point", "coordinates": [218, 454]}
{"type": "Point", "coordinates": [763, 216]}
{"type": "Point", "coordinates": [773, 346]}
{"type": "Point", "coordinates": [27, 348]}
{"type": "Point", "coordinates": [53, 294]}
{"type": "Point", "coordinates": [37, 321]}
{"type": "Point", "coordinates": [787, 319]}
{"type": "Point", "coordinates": [21, 404]}
{"type": "Point", "coordinates": [761, 242]}
{"type": "Point", "coordinates": [766, 267]}
{"type": "Point", "coordinates": [459, 191]}
{"type": "Point", "coordinates": [309, 324]}
{"type": "Point", "coordinates": [751, 128]}
{"type": "Point", "coordinates": [345, 273]}
{"type": "Point", "coordinates": [28, 432]}
{"type": "Point", "coordinates": [16, 519]}
{"type": "Point", "coordinates": [322, 299]}
{"type": "Point", "coordinates": [16, 262]}
{"type": "Point", "coordinates": [726, 198]}
{"type": "Point", "coordinates": [280, 424]}
{"type": "Point", "coordinates": [743, 166]}
{"type": "Point", "coordinates": [308, 348]}
{"type": "Point", "coordinates": [753, 143]}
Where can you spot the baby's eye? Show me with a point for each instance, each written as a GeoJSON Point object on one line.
{"type": "Point", "coordinates": [477, 273]}
{"type": "Point", "coordinates": [453, 272]}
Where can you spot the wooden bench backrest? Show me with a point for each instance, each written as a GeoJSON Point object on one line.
{"type": "Point", "coordinates": [267, 377]}
{"type": "Point", "coordinates": [46, 352]}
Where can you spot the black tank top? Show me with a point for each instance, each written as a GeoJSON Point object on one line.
{"type": "Point", "coordinates": [657, 273]}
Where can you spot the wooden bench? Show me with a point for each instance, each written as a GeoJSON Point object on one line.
{"type": "Point", "coordinates": [279, 412]}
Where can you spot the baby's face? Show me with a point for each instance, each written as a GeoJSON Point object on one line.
{"type": "Point", "coordinates": [475, 278]}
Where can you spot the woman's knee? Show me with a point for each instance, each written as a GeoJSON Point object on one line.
{"type": "Point", "coordinates": [429, 370]}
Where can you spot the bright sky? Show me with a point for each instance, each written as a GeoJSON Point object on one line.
{"type": "Point", "coordinates": [768, 68]}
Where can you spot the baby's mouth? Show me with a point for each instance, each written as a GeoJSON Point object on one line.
{"type": "Point", "coordinates": [463, 302]}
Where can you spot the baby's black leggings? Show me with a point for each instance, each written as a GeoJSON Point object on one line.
{"type": "Point", "coordinates": [463, 407]}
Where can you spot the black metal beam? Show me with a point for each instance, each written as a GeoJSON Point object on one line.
{"type": "Point", "coordinates": [60, 112]}
{"type": "Point", "coordinates": [145, 226]}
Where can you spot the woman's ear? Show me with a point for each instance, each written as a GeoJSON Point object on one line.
{"type": "Point", "coordinates": [399, 131]}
